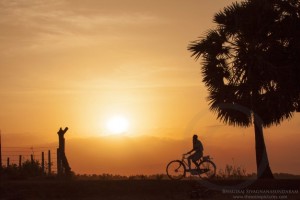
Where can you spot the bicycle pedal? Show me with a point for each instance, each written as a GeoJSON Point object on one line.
{"type": "Point", "coordinates": [194, 172]}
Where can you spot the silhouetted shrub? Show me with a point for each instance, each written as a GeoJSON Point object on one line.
{"type": "Point", "coordinates": [26, 170]}
{"type": "Point", "coordinates": [11, 172]}
{"type": "Point", "coordinates": [232, 172]}
{"type": "Point", "coordinates": [31, 169]}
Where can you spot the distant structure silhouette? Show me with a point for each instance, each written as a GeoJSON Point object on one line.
{"type": "Point", "coordinates": [0, 152]}
{"type": "Point", "coordinates": [63, 167]}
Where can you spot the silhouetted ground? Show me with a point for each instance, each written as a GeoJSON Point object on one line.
{"type": "Point", "coordinates": [149, 189]}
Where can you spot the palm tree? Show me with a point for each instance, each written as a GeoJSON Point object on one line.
{"type": "Point", "coordinates": [251, 60]}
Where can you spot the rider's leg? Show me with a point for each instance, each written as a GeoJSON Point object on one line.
{"type": "Point", "coordinates": [197, 155]}
{"type": "Point", "coordinates": [189, 161]}
{"type": "Point", "coordinates": [196, 164]}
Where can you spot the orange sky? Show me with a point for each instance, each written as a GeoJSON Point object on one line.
{"type": "Point", "coordinates": [68, 63]}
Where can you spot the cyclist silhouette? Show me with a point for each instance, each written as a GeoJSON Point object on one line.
{"type": "Point", "coordinates": [205, 167]}
{"type": "Point", "coordinates": [198, 151]}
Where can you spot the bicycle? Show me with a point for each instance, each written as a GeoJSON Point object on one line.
{"type": "Point", "coordinates": [205, 168]}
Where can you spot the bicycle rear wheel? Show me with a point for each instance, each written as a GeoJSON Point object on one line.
{"type": "Point", "coordinates": [176, 170]}
{"type": "Point", "coordinates": [207, 169]}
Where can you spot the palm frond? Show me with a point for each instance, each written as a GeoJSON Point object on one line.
{"type": "Point", "coordinates": [251, 60]}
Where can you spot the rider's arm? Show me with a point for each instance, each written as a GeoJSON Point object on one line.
{"type": "Point", "coordinates": [190, 151]}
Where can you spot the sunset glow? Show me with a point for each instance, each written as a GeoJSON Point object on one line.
{"type": "Point", "coordinates": [119, 75]}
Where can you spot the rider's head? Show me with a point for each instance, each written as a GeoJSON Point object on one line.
{"type": "Point", "coordinates": [195, 137]}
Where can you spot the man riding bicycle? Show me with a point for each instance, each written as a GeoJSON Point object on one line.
{"type": "Point", "coordinates": [205, 167]}
{"type": "Point", "coordinates": [198, 151]}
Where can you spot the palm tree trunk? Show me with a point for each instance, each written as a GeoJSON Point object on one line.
{"type": "Point", "coordinates": [262, 161]}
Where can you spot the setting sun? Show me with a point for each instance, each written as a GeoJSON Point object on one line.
{"type": "Point", "coordinates": [117, 125]}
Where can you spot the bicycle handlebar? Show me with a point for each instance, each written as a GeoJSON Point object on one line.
{"type": "Point", "coordinates": [184, 155]}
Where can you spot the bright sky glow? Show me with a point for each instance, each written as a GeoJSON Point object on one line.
{"type": "Point", "coordinates": [117, 125]}
{"type": "Point", "coordinates": [119, 68]}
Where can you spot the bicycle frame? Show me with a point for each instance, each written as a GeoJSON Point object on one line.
{"type": "Point", "coordinates": [184, 161]}
{"type": "Point", "coordinates": [203, 158]}
{"type": "Point", "coordinates": [181, 167]}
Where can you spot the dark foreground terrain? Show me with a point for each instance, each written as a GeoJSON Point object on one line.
{"type": "Point", "coordinates": [150, 189]}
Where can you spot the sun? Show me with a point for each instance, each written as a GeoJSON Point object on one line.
{"type": "Point", "coordinates": [117, 125]}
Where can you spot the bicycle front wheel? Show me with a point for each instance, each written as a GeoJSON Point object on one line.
{"type": "Point", "coordinates": [176, 170]}
{"type": "Point", "coordinates": [207, 169]}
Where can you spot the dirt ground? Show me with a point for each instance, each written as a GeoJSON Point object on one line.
{"type": "Point", "coordinates": [150, 189]}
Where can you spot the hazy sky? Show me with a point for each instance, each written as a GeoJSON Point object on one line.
{"type": "Point", "coordinates": [77, 64]}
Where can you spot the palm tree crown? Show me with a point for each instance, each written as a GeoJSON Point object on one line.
{"type": "Point", "coordinates": [252, 58]}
